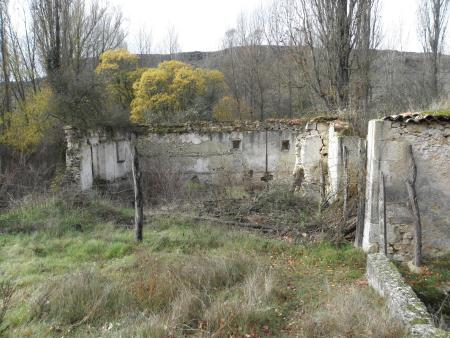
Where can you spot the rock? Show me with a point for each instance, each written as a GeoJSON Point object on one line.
{"type": "Point", "coordinates": [374, 248]}
{"type": "Point", "coordinates": [409, 235]}
{"type": "Point", "coordinates": [415, 269]}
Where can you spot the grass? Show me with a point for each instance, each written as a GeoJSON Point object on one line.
{"type": "Point", "coordinates": [77, 272]}
{"type": "Point", "coordinates": [440, 108]}
{"type": "Point", "coordinates": [443, 112]}
{"type": "Point", "coordinates": [432, 287]}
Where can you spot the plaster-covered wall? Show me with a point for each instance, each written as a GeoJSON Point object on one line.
{"type": "Point", "coordinates": [111, 156]}
{"type": "Point", "coordinates": [336, 174]}
{"type": "Point", "coordinates": [208, 155]}
{"type": "Point", "coordinates": [206, 152]}
{"type": "Point", "coordinates": [97, 155]}
{"type": "Point", "coordinates": [388, 144]}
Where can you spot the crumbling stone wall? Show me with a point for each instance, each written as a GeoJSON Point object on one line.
{"type": "Point", "coordinates": [338, 143]}
{"type": "Point", "coordinates": [320, 152]}
{"type": "Point", "coordinates": [210, 152]}
{"type": "Point", "coordinates": [205, 152]}
{"type": "Point", "coordinates": [95, 155]}
{"type": "Point", "coordinates": [388, 151]}
{"type": "Point", "coordinates": [312, 151]}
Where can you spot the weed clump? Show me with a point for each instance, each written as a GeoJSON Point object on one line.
{"type": "Point", "coordinates": [349, 313]}
{"type": "Point", "coordinates": [180, 294]}
{"type": "Point", "coordinates": [85, 296]}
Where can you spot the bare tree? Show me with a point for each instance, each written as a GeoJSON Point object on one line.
{"type": "Point", "coordinates": [433, 20]}
{"type": "Point", "coordinates": [144, 41]}
{"type": "Point", "coordinates": [24, 61]}
{"type": "Point", "coordinates": [70, 34]}
{"type": "Point", "coordinates": [290, 84]}
{"type": "Point", "coordinates": [327, 35]}
{"type": "Point", "coordinates": [171, 43]}
{"type": "Point", "coordinates": [253, 61]}
{"type": "Point", "coordinates": [231, 65]}
{"type": "Point", "coordinates": [368, 40]}
{"type": "Point", "coordinates": [4, 53]}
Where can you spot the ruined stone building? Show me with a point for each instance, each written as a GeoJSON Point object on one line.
{"type": "Point", "coordinates": [317, 152]}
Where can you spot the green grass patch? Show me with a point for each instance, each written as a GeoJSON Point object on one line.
{"type": "Point", "coordinates": [431, 286]}
{"type": "Point", "coordinates": [441, 112]}
{"type": "Point", "coordinates": [185, 279]}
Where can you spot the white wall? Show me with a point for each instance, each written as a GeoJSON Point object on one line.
{"type": "Point", "coordinates": [99, 159]}
{"type": "Point", "coordinates": [210, 154]}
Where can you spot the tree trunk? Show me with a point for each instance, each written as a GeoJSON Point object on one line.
{"type": "Point", "coordinates": [138, 200]}
{"type": "Point", "coordinates": [5, 62]}
{"type": "Point", "coordinates": [343, 36]}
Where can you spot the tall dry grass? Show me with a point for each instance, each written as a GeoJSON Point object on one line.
{"type": "Point", "coordinates": [162, 296]}
{"type": "Point", "coordinates": [354, 312]}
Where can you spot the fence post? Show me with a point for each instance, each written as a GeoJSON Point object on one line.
{"type": "Point", "coordinates": [410, 185]}
{"type": "Point", "coordinates": [382, 212]}
{"type": "Point", "coordinates": [346, 184]}
{"type": "Point", "coordinates": [322, 185]}
{"type": "Point", "coordinates": [362, 152]}
{"type": "Point", "coordinates": [137, 187]}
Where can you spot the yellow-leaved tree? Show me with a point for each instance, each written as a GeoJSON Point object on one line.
{"type": "Point", "coordinates": [174, 88]}
{"type": "Point", "coordinates": [120, 70]}
{"type": "Point", "coordinates": [29, 123]}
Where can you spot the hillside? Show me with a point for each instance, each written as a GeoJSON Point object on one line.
{"type": "Point", "coordinates": [398, 78]}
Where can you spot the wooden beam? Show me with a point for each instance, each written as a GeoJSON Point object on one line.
{"type": "Point", "coordinates": [322, 185]}
{"type": "Point", "coordinates": [346, 184]}
{"type": "Point", "coordinates": [362, 153]}
{"type": "Point", "coordinates": [138, 199]}
{"type": "Point", "coordinates": [414, 205]}
{"type": "Point", "coordinates": [382, 213]}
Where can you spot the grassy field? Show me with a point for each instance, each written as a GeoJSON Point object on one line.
{"type": "Point", "coordinates": [69, 268]}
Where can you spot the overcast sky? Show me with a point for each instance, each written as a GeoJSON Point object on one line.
{"type": "Point", "coordinates": [201, 24]}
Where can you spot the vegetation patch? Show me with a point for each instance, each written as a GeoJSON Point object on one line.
{"type": "Point", "coordinates": [185, 279]}
{"type": "Point", "coordinates": [433, 287]}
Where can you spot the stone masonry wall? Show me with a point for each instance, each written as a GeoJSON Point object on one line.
{"type": "Point", "coordinates": [321, 146]}
{"type": "Point", "coordinates": [312, 151]}
{"type": "Point", "coordinates": [388, 144]}
{"type": "Point", "coordinates": [210, 153]}
{"type": "Point", "coordinates": [212, 156]}
{"type": "Point", "coordinates": [401, 300]}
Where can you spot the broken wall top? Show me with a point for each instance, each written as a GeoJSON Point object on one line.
{"type": "Point", "coordinates": [418, 118]}
{"type": "Point", "coordinates": [224, 127]}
